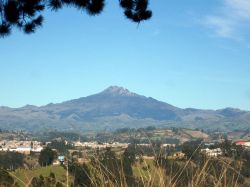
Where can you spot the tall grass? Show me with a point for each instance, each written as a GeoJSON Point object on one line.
{"type": "Point", "coordinates": [111, 170]}
{"type": "Point", "coordinates": [209, 172]}
{"type": "Point", "coordinates": [149, 174]}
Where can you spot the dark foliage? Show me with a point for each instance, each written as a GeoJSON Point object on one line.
{"type": "Point", "coordinates": [246, 165]}
{"type": "Point", "coordinates": [54, 135]}
{"type": "Point", "coordinates": [11, 160]}
{"type": "Point", "coordinates": [111, 165]}
{"type": "Point", "coordinates": [26, 14]}
{"type": "Point", "coordinates": [115, 168]}
{"type": "Point", "coordinates": [136, 10]}
{"type": "Point", "coordinates": [46, 157]}
{"type": "Point", "coordinates": [60, 146]}
{"type": "Point", "coordinates": [192, 149]}
{"type": "Point", "coordinates": [81, 174]}
{"type": "Point", "coordinates": [5, 178]}
{"type": "Point", "coordinates": [128, 159]}
{"type": "Point", "coordinates": [42, 181]}
{"type": "Point", "coordinates": [58, 184]}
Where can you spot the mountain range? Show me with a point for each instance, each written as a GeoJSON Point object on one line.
{"type": "Point", "coordinates": [117, 107]}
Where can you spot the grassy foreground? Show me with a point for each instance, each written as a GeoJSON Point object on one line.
{"type": "Point", "coordinates": [23, 176]}
{"type": "Point", "coordinates": [149, 174]}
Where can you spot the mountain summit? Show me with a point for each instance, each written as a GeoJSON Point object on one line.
{"type": "Point", "coordinates": [117, 107]}
{"type": "Point", "coordinates": [116, 90]}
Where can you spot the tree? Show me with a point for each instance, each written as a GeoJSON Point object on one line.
{"type": "Point", "coordinates": [27, 14]}
{"type": "Point", "coordinates": [192, 149]}
{"type": "Point", "coordinates": [60, 146]}
{"type": "Point", "coordinates": [111, 165]}
{"type": "Point", "coordinates": [11, 160]}
{"type": "Point", "coordinates": [129, 159]}
{"type": "Point", "coordinates": [5, 178]}
{"type": "Point", "coordinates": [52, 178]}
{"type": "Point", "coordinates": [226, 147]}
{"type": "Point", "coordinates": [42, 181]}
{"type": "Point", "coordinates": [81, 174]}
{"type": "Point", "coordinates": [46, 157]}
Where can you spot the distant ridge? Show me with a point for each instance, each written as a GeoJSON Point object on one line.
{"type": "Point", "coordinates": [117, 107]}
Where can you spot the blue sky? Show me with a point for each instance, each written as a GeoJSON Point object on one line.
{"type": "Point", "coordinates": [190, 54]}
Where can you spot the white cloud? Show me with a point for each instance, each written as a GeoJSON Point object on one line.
{"type": "Point", "coordinates": [231, 20]}
{"type": "Point", "coordinates": [240, 8]}
{"type": "Point", "coordinates": [221, 26]}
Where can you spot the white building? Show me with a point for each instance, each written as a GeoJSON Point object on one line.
{"type": "Point", "coordinates": [212, 152]}
{"type": "Point", "coordinates": [24, 147]}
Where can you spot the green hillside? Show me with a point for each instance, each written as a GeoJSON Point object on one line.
{"type": "Point", "coordinates": [23, 176]}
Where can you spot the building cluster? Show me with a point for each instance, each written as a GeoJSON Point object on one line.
{"type": "Point", "coordinates": [217, 151]}
{"type": "Point", "coordinates": [96, 145]}
{"type": "Point", "coordinates": [24, 147]}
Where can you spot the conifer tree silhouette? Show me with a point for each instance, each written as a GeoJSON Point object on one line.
{"type": "Point", "coordinates": [27, 14]}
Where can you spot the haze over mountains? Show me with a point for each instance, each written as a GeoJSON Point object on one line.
{"type": "Point", "coordinates": [117, 107]}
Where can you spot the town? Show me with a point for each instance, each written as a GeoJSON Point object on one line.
{"type": "Point", "coordinates": [150, 147]}
{"type": "Point", "coordinates": [169, 139]}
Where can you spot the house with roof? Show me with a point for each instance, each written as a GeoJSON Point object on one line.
{"type": "Point", "coordinates": [243, 143]}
